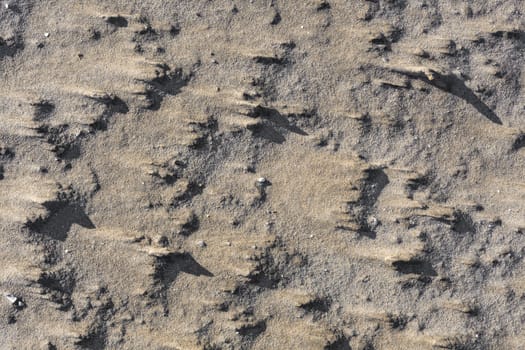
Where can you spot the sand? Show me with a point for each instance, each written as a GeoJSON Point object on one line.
{"type": "Point", "coordinates": [258, 174]}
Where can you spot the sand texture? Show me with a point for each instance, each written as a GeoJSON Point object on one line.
{"type": "Point", "coordinates": [249, 174]}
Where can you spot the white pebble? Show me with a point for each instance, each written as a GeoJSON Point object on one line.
{"type": "Point", "coordinates": [15, 301]}
{"type": "Point", "coordinates": [11, 298]}
{"type": "Point", "coordinates": [372, 222]}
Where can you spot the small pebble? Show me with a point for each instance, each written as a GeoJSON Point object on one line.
{"type": "Point", "coordinates": [201, 244]}
{"type": "Point", "coordinates": [372, 222]}
{"type": "Point", "coordinates": [46, 35]}
{"type": "Point", "coordinates": [11, 298]}
{"type": "Point", "coordinates": [15, 301]}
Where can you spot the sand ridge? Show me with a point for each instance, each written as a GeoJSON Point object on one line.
{"type": "Point", "coordinates": [261, 175]}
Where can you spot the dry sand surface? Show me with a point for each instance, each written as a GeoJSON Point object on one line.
{"type": "Point", "coordinates": [236, 174]}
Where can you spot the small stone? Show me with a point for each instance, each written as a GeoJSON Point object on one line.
{"type": "Point", "coordinates": [323, 5]}
{"type": "Point", "coordinates": [372, 222]}
{"type": "Point", "coordinates": [261, 184]}
{"type": "Point", "coordinates": [11, 298]}
{"type": "Point", "coordinates": [14, 300]}
{"type": "Point", "coordinates": [46, 35]}
{"type": "Point", "coordinates": [163, 241]}
{"type": "Point", "coordinates": [201, 244]}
